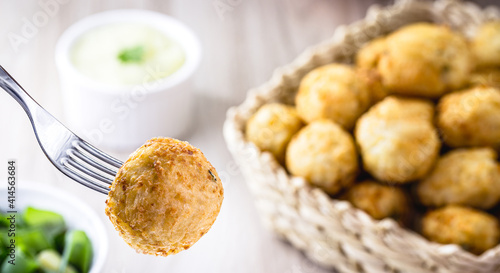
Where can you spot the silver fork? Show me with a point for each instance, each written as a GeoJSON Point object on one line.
{"type": "Point", "coordinates": [72, 155]}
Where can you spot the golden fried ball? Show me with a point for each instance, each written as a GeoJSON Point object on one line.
{"type": "Point", "coordinates": [403, 109]}
{"type": "Point", "coordinates": [486, 77]}
{"type": "Point", "coordinates": [421, 59]}
{"type": "Point", "coordinates": [473, 230]}
{"type": "Point", "coordinates": [397, 140]}
{"type": "Point", "coordinates": [272, 127]}
{"type": "Point", "coordinates": [371, 78]}
{"type": "Point", "coordinates": [470, 117]}
{"type": "Point", "coordinates": [324, 154]}
{"type": "Point", "coordinates": [486, 44]}
{"type": "Point", "coordinates": [369, 55]}
{"type": "Point", "coordinates": [333, 92]}
{"type": "Point", "coordinates": [469, 177]}
{"type": "Point", "coordinates": [164, 197]}
{"type": "Point", "coordinates": [379, 201]}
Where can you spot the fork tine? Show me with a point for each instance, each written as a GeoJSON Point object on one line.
{"type": "Point", "coordinates": [88, 172]}
{"type": "Point", "coordinates": [89, 166]}
{"type": "Point", "coordinates": [70, 170]}
{"type": "Point", "coordinates": [83, 157]}
{"type": "Point", "coordinates": [97, 153]}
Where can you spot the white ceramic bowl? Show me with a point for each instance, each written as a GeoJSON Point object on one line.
{"type": "Point", "coordinates": [123, 118]}
{"type": "Point", "coordinates": [77, 214]}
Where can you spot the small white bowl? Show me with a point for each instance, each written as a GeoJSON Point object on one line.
{"type": "Point", "coordinates": [123, 118]}
{"type": "Point", "coordinates": [77, 214]}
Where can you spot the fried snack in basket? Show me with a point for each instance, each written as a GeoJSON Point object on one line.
{"type": "Point", "coordinates": [473, 230]}
{"type": "Point", "coordinates": [271, 128]}
{"type": "Point", "coordinates": [470, 117]}
{"type": "Point", "coordinates": [397, 139]}
{"type": "Point", "coordinates": [421, 59]}
{"type": "Point", "coordinates": [379, 201]}
{"type": "Point", "coordinates": [334, 92]}
{"type": "Point", "coordinates": [164, 197]}
{"type": "Point", "coordinates": [325, 155]}
{"type": "Point", "coordinates": [370, 54]}
{"type": "Point", "coordinates": [469, 177]}
{"type": "Point", "coordinates": [486, 45]}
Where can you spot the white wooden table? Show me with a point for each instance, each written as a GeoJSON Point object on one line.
{"type": "Point", "coordinates": [243, 42]}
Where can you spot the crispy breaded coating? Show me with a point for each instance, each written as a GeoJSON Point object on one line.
{"type": "Point", "coordinates": [369, 55]}
{"type": "Point", "coordinates": [421, 59]}
{"type": "Point", "coordinates": [469, 177]}
{"type": "Point", "coordinates": [378, 200]}
{"type": "Point", "coordinates": [373, 81]}
{"type": "Point", "coordinates": [324, 154]}
{"type": "Point", "coordinates": [271, 128]}
{"type": "Point", "coordinates": [397, 140]}
{"type": "Point", "coordinates": [470, 117]}
{"type": "Point", "coordinates": [473, 230]}
{"type": "Point", "coordinates": [164, 197]}
{"type": "Point", "coordinates": [333, 92]}
{"type": "Point", "coordinates": [486, 45]}
{"type": "Point", "coordinates": [401, 109]}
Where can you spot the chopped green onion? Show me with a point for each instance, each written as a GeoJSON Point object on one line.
{"type": "Point", "coordinates": [132, 55]}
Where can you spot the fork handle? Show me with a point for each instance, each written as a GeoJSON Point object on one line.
{"type": "Point", "coordinates": [10, 85]}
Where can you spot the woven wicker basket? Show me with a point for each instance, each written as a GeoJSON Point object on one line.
{"type": "Point", "coordinates": [332, 232]}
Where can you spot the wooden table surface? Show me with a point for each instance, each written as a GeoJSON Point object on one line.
{"type": "Point", "coordinates": [243, 42]}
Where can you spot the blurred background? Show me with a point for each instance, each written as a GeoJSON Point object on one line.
{"type": "Point", "coordinates": [243, 41]}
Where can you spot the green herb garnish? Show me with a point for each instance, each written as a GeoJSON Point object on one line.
{"type": "Point", "coordinates": [132, 55]}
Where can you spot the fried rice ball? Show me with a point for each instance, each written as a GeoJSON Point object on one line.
{"type": "Point", "coordinates": [470, 117]}
{"type": "Point", "coordinates": [402, 109]}
{"type": "Point", "coordinates": [325, 155]}
{"type": "Point", "coordinates": [469, 177]}
{"type": "Point", "coordinates": [486, 44]}
{"type": "Point", "coordinates": [272, 127]}
{"type": "Point", "coordinates": [164, 197]}
{"type": "Point", "coordinates": [379, 201]}
{"type": "Point", "coordinates": [373, 80]}
{"type": "Point", "coordinates": [421, 59]}
{"type": "Point", "coordinates": [369, 55]}
{"type": "Point", "coordinates": [397, 140]}
{"type": "Point", "coordinates": [473, 230]}
{"type": "Point", "coordinates": [333, 92]}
